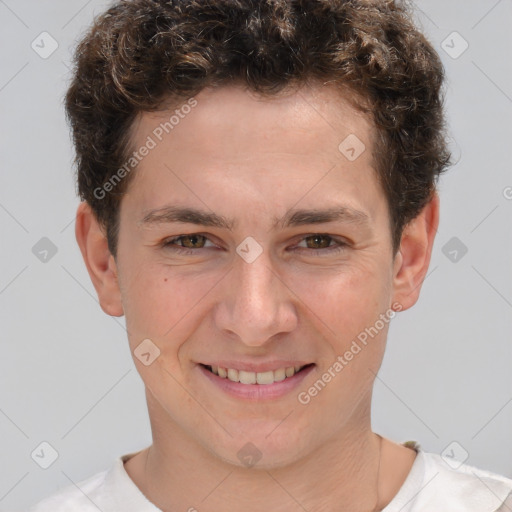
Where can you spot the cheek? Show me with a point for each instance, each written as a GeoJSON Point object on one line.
{"type": "Point", "coordinates": [154, 299]}
{"type": "Point", "coordinates": [346, 306]}
{"type": "Point", "coordinates": [344, 299]}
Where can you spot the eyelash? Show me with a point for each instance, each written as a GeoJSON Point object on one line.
{"type": "Point", "coordinates": [170, 244]}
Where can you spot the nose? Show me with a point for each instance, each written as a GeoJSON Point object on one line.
{"type": "Point", "coordinates": [255, 304]}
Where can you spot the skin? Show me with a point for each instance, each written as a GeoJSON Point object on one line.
{"type": "Point", "coordinates": [253, 159]}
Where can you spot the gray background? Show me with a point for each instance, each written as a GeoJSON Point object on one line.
{"type": "Point", "coordinates": [66, 374]}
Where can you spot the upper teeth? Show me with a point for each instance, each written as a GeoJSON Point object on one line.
{"type": "Point", "coordinates": [255, 377]}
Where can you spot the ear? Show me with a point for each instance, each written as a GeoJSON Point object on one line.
{"type": "Point", "coordinates": [99, 261]}
{"type": "Point", "coordinates": [413, 258]}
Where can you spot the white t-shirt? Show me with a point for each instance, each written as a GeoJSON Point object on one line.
{"type": "Point", "coordinates": [431, 486]}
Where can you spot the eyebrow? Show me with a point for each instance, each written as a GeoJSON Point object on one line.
{"type": "Point", "coordinates": [176, 214]}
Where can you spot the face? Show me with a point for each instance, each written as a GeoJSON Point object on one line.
{"type": "Point", "coordinates": [285, 261]}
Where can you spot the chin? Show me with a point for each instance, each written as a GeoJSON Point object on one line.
{"type": "Point", "coordinates": [260, 451]}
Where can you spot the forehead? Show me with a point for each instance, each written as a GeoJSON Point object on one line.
{"type": "Point", "coordinates": [232, 138]}
{"type": "Point", "coordinates": [314, 113]}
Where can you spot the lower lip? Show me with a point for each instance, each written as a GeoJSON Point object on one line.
{"type": "Point", "coordinates": [257, 392]}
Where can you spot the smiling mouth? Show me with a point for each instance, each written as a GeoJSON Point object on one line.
{"type": "Point", "coordinates": [264, 378]}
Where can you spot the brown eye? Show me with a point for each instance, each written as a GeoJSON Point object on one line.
{"type": "Point", "coordinates": [320, 244]}
{"type": "Point", "coordinates": [183, 242]}
{"type": "Point", "coordinates": [192, 241]}
{"type": "Point", "coordinates": [318, 241]}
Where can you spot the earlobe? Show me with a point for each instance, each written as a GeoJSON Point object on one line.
{"type": "Point", "coordinates": [413, 259]}
{"type": "Point", "coordinates": [98, 259]}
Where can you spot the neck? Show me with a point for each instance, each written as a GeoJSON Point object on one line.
{"type": "Point", "coordinates": [343, 474]}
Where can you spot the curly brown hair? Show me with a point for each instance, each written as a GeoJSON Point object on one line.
{"type": "Point", "coordinates": [141, 54]}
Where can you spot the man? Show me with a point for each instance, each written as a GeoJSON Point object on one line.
{"type": "Point", "coordinates": [258, 185]}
